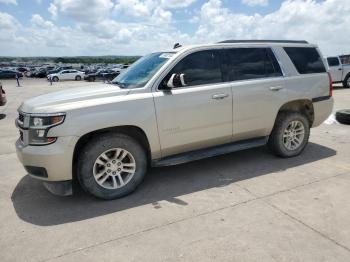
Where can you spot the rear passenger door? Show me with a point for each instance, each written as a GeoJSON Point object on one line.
{"type": "Point", "coordinates": [257, 88]}
{"type": "Point", "coordinates": [72, 74]}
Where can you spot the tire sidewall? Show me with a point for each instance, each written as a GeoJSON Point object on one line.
{"type": "Point", "coordinates": [294, 117]}
{"type": "Point", "coordinates": [343, 117]}
{"type": "Point", "coordinates": [345, 83]}
{"type": "Point", "coordinates": [95, 149]}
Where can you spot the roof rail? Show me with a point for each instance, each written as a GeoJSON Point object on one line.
{"type": "Point", "coordinates": [265, 41]}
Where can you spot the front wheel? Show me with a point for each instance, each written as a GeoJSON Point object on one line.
{"type": "Point", "coordinates": [55, 79]}
{"type": "Point", "coordinates": [290, 134]}
{"type": "Point", "coordinates": [78, 78]}
{"type": "Point", "coordinates": [112, 166]}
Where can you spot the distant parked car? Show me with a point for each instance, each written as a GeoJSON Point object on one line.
{"type": "Point", "coordinates": [121, 69]}
{"type": "Point", "coordinates": [58, 69]}
{"type": "Point", "coordinates": [340, 73]}
{"type": "Point", "coordinates": [9, 74]}
{"type": "Point", "coordinates": [41, 73]}
{"type": "Point", "coordinates": [22, 69]}
{"type": "Point", "coordinates": [67, 75]}
{"type": "Point", "coordinates": [2, 96]}
{"type": "Point", "coordinates": [101, 74]}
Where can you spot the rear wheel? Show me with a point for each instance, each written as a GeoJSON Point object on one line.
{"type": "Point", "coordinates": [346, 82]}
{"type": "Point", "coordinates": [290, 134]}
{"type": "Point", "coordinates": [111, 166]}
{"type": "Point", "coordinates": [92, 79]}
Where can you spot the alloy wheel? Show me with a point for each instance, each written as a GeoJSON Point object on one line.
{"type": "Point", "coordinates": [114, 168]}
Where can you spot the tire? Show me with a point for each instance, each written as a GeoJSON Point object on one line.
{"type": "Point", "coordinates": [346, 82]}
{"type": "Point", "coordinates": [77, 78]}
{"type": "Point", "coordinates": [278, 144]}
{"type": "Point", "coordinates": [343, 116]}
{"type": "Point", "coordinates": [92, 79]}
{"type": "Point", "coordinates": [90, 169]}
{"type": "Point", "coordinates": [55, 79]}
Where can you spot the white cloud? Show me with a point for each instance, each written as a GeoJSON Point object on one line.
{"type": "Point", "coordinates": [38, 21]}
{"type": "Point", "coordinates": [135, 8]}
{"type": "Point", "coordinates": [255, 2]}
{"type": "Point", "coordinates": [324, 23]}
{"type": "Point", "coordinates": [13, 2]}
{"type": "Point", "coordinates": [161, 16]}
{"type": "Point", "coordinates": [9, 36]}
{"type": "Point", "coordinates": [82, 10]}
{"type": "Point", "coordinates": [7, 22]}
{"type": "Point", "coordinates": [52, 10]}
{"type": "Point", "coordinates": [176, 3]}
{"type": "Point", "coordinates": [153, 28]}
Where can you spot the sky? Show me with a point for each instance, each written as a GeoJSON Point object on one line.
{"type": "Point", "coordinates": [138, 27]}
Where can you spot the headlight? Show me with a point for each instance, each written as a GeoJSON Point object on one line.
{"type": "Point", "coordinates": [39, 126]}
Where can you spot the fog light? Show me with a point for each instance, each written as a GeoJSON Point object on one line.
{"type": "Point", "coordinates": [40, 133]}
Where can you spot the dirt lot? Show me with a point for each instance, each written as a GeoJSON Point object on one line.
{"type": "Point", "coordinates": [245, 206]}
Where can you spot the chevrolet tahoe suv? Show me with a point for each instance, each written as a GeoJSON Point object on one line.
{"type": "Point", "coordinates": [173, 107]}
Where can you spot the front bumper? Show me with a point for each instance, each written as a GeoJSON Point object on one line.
{"type": "Point", "coordinates": [56, 159]}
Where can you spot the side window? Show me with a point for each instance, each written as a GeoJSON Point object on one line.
{"type": "Point", "coordinates": [333, 61]}
{"type": "Point", "coordinates": [199, 68]}
{"type": "Point", "coordinates": [306, 59]}
{"type": "Point", "coordinates": [250, 63]}
{"type": "Point", "coordinates": [64, 72]}
{"type": "Point", "coordinates": [272, 67]}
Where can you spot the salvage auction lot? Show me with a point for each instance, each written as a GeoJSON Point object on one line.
{"type": "Point", "coordinates": [244, 206]}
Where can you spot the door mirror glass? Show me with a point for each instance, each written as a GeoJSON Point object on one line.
{"type": "Point", "coordinates": [176, 80]}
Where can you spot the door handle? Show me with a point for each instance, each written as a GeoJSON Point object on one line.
{"type": "Point", "coordinates": [275, 88]}
{"type": "Point", "coordinates": [219, 96]}
{"type": "Point", "coordinates": [340, 69]}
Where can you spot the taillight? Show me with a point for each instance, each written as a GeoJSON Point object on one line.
{"type": "Point", "coordinates": [330, 84]}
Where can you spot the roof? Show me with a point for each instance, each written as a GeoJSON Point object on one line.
{"type": "Point", "coordinates": [264, 41]}
{"type": "Point", "coordinates": [243, 43]}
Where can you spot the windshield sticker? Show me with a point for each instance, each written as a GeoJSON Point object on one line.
{"type": "Point", "coordinates": [166, 55]}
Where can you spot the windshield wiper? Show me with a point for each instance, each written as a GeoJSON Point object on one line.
{"type": "Point", "coordinates": [121, 85]}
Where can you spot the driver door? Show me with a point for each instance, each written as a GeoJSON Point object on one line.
{"type": "Point", "coordinates": [64, 75]}
{"type": "Point", "coordinates": [197, 115]}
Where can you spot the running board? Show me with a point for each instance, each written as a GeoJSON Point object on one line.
{"type": "Point", "coordinates": [209, 152]}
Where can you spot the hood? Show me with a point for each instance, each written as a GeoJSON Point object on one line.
{"type": "Point", "coordinates": [69, 98]}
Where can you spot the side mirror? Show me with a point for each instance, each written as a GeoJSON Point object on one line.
{"type": "Point", "coordinates": [176, 80]}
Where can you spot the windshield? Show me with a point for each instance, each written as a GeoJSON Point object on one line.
{"type": "Point", "coordinates": [141, 71]}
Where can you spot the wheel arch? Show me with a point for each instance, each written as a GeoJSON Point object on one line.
{"type": "Point", "coordinates": [133, 131]}
{"type": "Point", "coordinates": [304, 106]}
{"type": "Point", "coordinates": [347, 76]}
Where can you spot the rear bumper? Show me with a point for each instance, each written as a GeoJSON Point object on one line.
{"type": "Point", "coordinates": [51, 162]}
{"type": "Point", "coordinates": [322, 109]}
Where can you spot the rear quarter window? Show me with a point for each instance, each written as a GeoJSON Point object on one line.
{"type": "Point", "coordinates": [333, 61]}
{"type": "Point", "coordinates": [306, 59]}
